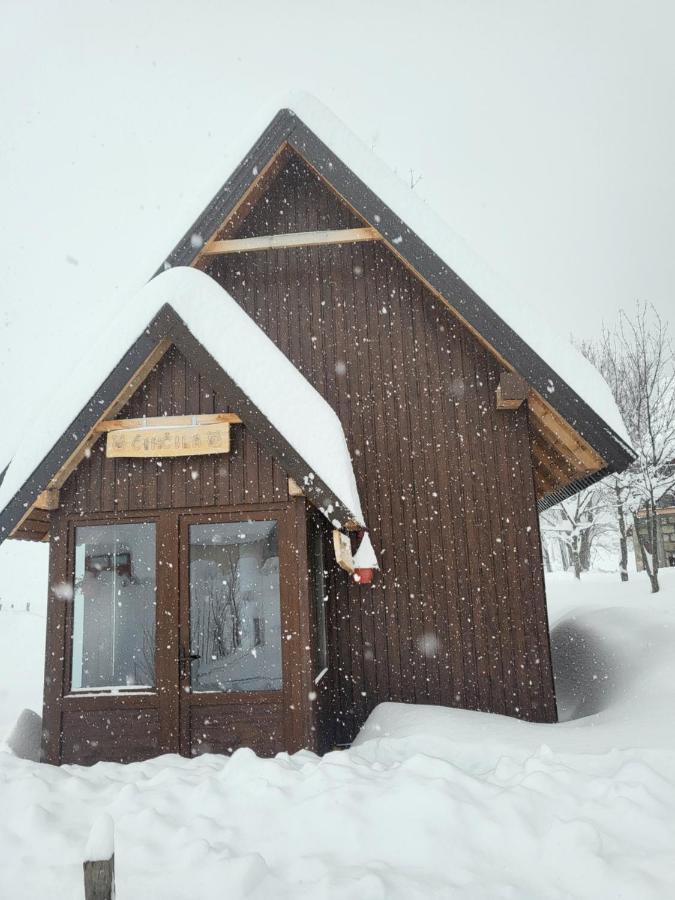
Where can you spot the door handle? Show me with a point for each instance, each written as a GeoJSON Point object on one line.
{"type": "Point", "coordinates": [184, 657]}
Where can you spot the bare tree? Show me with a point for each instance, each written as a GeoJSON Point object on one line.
{"type": "Point", "coordinates": [223, 596]}
{"type": "Point", "coordinates": [618, 494]}
{"type": "Point", "coordinates": [636, 359]}
{"type": "Point", "coordinates": [216, 624]}
{"type": "Point", "coordinates": [616, 489]}
{"type": "Point", "coordinates": [576, 524]}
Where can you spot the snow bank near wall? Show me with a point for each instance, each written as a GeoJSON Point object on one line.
{"type": "Point", "coordinates": [243, 350]}
{"type": "Point", "coordinates": [613, 651]}
{"type": "Point", "coordinates": [22, 665]}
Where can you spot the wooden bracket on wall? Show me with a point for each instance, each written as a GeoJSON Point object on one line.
{"type": "Point", "coordinates": [48, 499]}
{"type": "Point", "coordinates": [512, 391]}
{"type": "Point", "coordinates": [294, 489]}
{"type": "Point", "coordinates": [343, 551]}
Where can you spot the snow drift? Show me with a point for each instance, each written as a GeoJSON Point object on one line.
{"type": "Point", "coordinates": [428, 803]}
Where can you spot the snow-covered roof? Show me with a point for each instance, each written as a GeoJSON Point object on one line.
{"type": "Point", "coordinates": [263, 373]}
{"type": "Point", "coordinates": [530, 325]}
{"type": "Point", "coordinates": [563, 373]}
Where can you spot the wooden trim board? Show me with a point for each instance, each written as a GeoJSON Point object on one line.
{"type": "Point", "coordinates": [167, 422]}
{"type": "Point", "coordinates": [287, 241]}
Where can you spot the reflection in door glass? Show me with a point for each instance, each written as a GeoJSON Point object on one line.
{"type": "Point", "coordinates": [235, 616]}
{"type": "Point", "coordinates": [114, 607]}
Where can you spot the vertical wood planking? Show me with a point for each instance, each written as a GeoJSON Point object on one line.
{"type": "Point", "coordinates": [150, 465]}
{"type": "Point", "coordinates": [164, 407]}
{"type": "Point", "coordinates": [445, 479]}
{"type": "Point", "coordinates": [54, 679]}
{"type": "Point", "coordinates": [167, 638]}
{"type": "Point", "coordinates": [368, 462]}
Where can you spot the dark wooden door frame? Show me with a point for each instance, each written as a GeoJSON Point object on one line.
{"type": "Point", "coordinates": [291, 516]}
{"type": "Point", "coordinates": [281, 513]}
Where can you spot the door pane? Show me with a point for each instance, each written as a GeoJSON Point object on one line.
{"type": "Point", "coordinates": [114, 607]}
{"type": "Point", "coordinates": [235, 615]}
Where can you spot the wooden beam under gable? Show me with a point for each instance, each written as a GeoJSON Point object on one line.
{"type": "Point", "coordinates": [166, 422]}
{"type": "Point", "coordinates": [561, 434]}
{"type": "Point", "coordinates": [291, 240]}
{"type": "Point", "coordinates": [555, 475]}
{"type": "Point", "coordinates": [564, 468]}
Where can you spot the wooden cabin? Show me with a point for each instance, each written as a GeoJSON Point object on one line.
{"type": "Point", "coordinates": [300, 477]}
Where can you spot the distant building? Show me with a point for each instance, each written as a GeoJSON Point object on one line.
{"type": "Point", "coordinates": [665, 531]}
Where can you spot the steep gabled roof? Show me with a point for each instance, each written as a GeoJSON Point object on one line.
{"type": "Point", "coordinates": [565, 388]}
{"type": "Point", "coordinates": [564, 382]}
{"type": "Point", "coordinates": [187, 309]}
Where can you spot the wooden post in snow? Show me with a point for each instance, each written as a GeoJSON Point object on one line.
{"type": "Point", "coordinates": [99, 862]}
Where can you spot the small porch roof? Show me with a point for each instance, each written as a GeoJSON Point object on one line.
{"type": "Point", "coordinates": [186, 308]}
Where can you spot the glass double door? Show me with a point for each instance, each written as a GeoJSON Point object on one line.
{"type": "Point", "coordinates": [195, 610]}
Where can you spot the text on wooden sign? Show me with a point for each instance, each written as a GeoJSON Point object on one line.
{"type": "Point", "coordinates": [194, 440]}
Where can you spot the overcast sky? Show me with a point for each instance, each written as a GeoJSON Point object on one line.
{"type": "Point", "coordinates": [542, 132]}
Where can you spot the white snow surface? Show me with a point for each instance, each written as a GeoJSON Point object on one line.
{"type": "Point", "coordinates": [101, 840]}
{"type": "Point", "coordinates": [428, 803]}
{"type": "Point", "coordinates": [529, 323]}
{"type": "Point", "coordinates": [365, 557]}
{"type": "Point", "coordinates": [253, 361]}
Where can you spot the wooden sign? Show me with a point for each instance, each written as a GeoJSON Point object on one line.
{"type": "Point", "coordinates": [163, 441]}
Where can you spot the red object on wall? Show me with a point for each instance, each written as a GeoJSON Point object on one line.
{"type": "Point", "coordinates": [364, 576]}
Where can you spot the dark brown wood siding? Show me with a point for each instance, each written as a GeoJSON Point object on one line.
{"type": "Point", "coordinates": [458, 615]}
{"type": "Point", "coordinates": [246, 475]}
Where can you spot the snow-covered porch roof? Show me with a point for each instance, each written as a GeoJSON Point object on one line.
{"type": "Point", "coordinates": [186, 308]}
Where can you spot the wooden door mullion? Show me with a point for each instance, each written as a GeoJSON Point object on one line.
{"type": "Point", "coordinates": [167, 643]}
{"type": "Point", "coordinates": [184, 644]}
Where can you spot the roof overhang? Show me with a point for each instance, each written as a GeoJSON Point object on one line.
{"type": "Point", "coordinates": [574, 446]}
{"type": "Point", "coordinates": [26, 517]}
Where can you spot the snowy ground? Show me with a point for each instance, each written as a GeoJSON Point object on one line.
{"type": "Point", "coordinates": [428, 803]}
{"type": "Point", "coordinates": [23, 580]}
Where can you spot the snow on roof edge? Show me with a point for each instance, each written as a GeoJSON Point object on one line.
{"type": "Point", "coordinates": [555, 349]}
{"type": "Point", "coordinates": [280, 391]}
